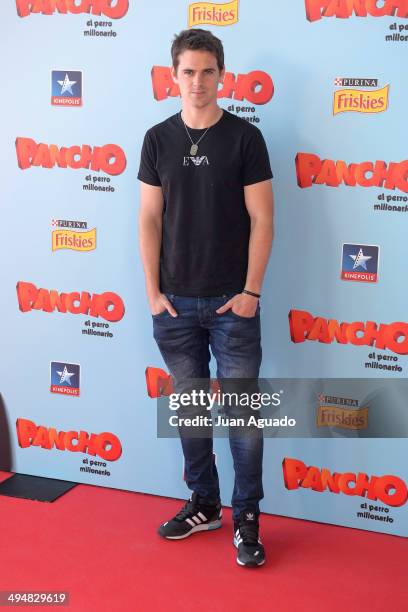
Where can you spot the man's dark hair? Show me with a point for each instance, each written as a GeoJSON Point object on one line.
{"type": "Point", "coordinates": [197, 40]}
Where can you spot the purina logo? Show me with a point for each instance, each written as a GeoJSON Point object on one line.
{"type": "Point", "coordinates": [340, 401]}
{"type": "Point", "coordinates": [66, 88]}
{"type": "Point", "coordinates": [359, 100]}
{"type": "Point", "coordinates": [64, 378]}
{"type": "Point", "coordinates": [352, 82]}
{"type": "Point", "coordinates": [359, 262]}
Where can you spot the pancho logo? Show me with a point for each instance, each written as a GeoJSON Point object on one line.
{"type": "Point", "coordinates": [107, 305]}
{"type": "Point", "coordinates": [105, 444]}
{"type": "Point", "coordinates": [109, 158]}
{"type": "Point", "coordinates": [304, 326]}
{"type": "Point", "coordinates": [391, 490]}
{"type": "Point", "coordinates": [211, 13]}
{"type": "Point", "coordinates": [256, 86]}
{"type": "Point", "coordinates": [316, 9]}
{"type": "Point", "coordinates": [311, 170]}
{"type": "Point", "coordinates": [109, 8]}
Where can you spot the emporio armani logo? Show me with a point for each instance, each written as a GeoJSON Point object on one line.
{"type": "Point", "coordinates": [197, 161]}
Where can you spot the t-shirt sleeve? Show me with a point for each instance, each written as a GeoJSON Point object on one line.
{"type": "Point", "coordinates": [256, 166]}
{"type": "Point", "coordinates": [148, 161]}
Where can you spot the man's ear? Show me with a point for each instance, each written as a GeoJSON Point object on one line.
{"type": "Point", "coordinates": [222, 75]}
{"type": "Point", "coordinates": [174, 75]}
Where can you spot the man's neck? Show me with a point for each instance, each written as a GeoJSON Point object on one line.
{"type": "Point", "coordinates": [201, 118]}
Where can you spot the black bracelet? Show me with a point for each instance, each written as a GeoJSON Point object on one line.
{"type": "Point", "coordinates": [257, 295]}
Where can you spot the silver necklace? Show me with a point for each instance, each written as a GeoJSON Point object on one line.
{"type": "Point", "coordinates": [194, 145]}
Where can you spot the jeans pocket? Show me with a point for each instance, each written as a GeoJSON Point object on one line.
{"type": "Point", "coordinates": [160, 314]}
{"type": "Point", "coordinates": [258, 308]}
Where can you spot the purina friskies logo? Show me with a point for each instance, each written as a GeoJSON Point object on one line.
{"type": "Point", "coordinates": [353, 99]}
{"type": "Point", "coordinates": [73, 235]}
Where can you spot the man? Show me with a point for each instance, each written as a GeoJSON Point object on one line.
{"type": "Point", "coordinates": [206, 225]}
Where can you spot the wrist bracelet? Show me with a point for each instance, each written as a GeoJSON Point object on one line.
{"type": "Point", "coordinates": [257, 295]}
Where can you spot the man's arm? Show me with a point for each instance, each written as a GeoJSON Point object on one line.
{"type": "Point", "coordinates": [259, 203]}
{"type": "Point", "coordinates": [150, 237]}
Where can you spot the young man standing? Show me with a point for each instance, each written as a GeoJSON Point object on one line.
{"type": "Point", "coordinates": [206, 227]}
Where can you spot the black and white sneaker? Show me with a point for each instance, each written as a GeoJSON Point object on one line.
{"type": "Point", "coordinates": [251, 553]}
{"type": "Point", "coordinates": [195, 515]}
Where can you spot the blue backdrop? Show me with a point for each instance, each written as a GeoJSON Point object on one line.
{"type": "Point", "coordinates": [76, 78]}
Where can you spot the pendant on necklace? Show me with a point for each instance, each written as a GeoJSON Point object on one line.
{"type": "Point", "coordinates": [194, 149]}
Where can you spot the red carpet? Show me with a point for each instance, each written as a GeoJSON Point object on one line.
{"type": "Point", "coordinates": [101, 546]}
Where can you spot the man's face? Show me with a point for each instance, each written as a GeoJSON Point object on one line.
{"type": "Point", "coordinates": [198, 77]}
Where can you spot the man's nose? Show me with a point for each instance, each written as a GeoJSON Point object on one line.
{"type": "Point", "coordinates": [197, 81]}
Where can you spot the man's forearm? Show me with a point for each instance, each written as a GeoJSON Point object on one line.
{"type": "Point", "coordinates": [260, 244]}
{"type": "Point", "coordinates": [150, 245]}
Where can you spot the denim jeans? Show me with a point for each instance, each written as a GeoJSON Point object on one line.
{"type": "Point", "coordinates": [184, 342]}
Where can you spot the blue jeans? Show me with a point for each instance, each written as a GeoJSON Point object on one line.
{"type": "Point", "coordinates": [185, 342]}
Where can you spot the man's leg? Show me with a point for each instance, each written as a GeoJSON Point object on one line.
{"type": "Point", "coordinates": [183, 343]}
{"type": "Point", "coordinates": [236, 344]}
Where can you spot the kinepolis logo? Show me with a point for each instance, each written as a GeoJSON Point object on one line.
{"type": "Point", "coordinates": [391, 490]}
{"type": "Point", "coordinates": [316, 9]}
{"type": "Point", "coordinates": [359, 100]}
{"type": "Point", "coordinates": [311, 170]}
{"type": "Point", "coordinates": [392, 336]}
{"type": "Point", "coordinates": [255, 87]}
{"type": "Point", "coordinates": [211, 13]}
{"type": "Point", "coordinates": [359, 262]}
{"type": "Point", "coordinates": [66, 87]}
{"type": "Point", "coordinates": [109, 8]}
{"type": "Point", "coordinates": [107, 305]}
{"type": "Point", "coordinates": [105, 445]}
{"type": "Point", "coordinates": [65, 378]}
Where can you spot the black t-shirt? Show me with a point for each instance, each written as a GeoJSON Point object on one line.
{"type": "Point", "coordinates": [206, 225]}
